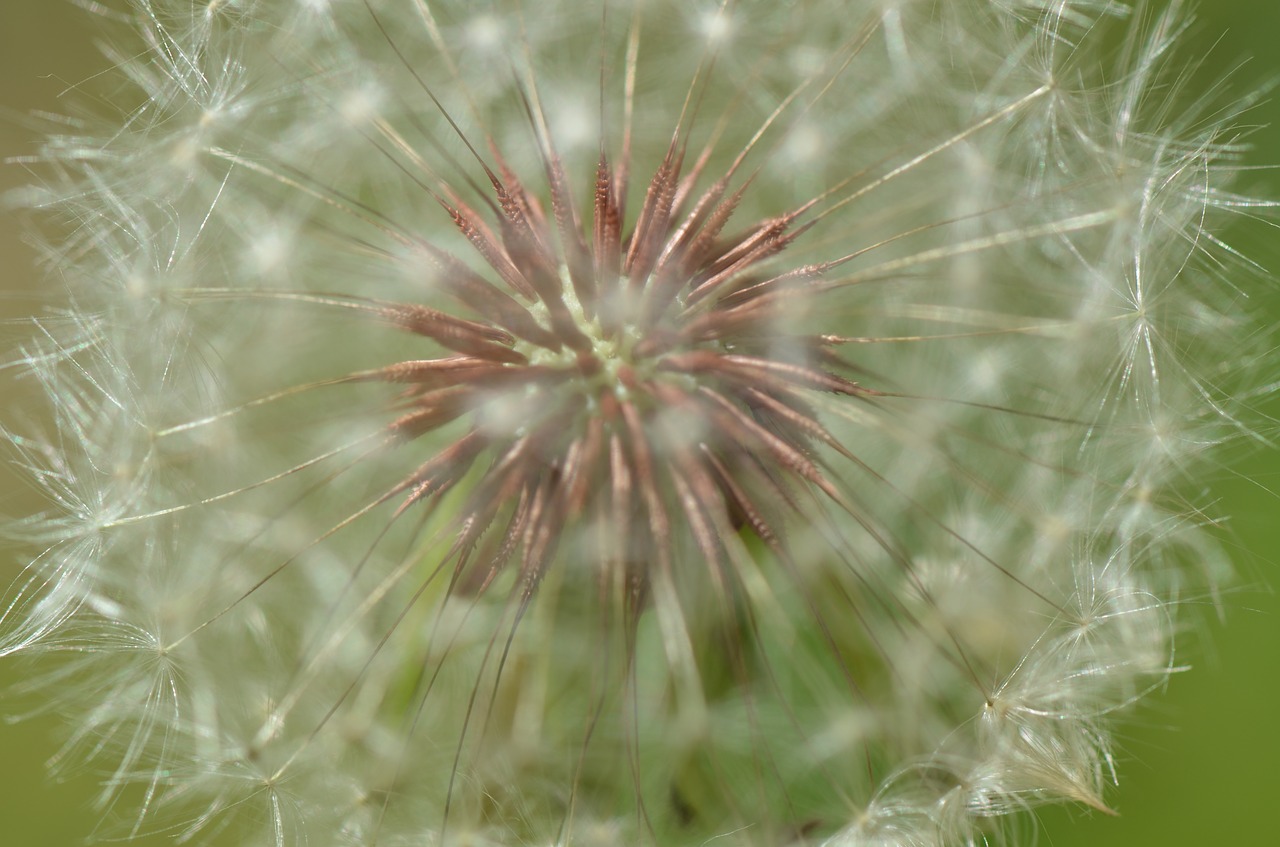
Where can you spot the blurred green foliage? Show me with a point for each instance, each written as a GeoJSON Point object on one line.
{"type": "Point", "coordinates": [1198, 764]}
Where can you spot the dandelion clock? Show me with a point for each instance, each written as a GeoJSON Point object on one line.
{"type": "Point", "coordinates": [600, 423]}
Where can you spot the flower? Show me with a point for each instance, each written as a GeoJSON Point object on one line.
{"type": "Point", "coordinates": [646, 423]}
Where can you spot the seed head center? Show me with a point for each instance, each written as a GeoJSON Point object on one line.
{"type": "Point", "coordinates": [609, 362]}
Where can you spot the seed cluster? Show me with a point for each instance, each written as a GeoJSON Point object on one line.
{"type": "Point", "coordinates": [647, 383]}
{"type": "Point", "coordinates": [629, 422]}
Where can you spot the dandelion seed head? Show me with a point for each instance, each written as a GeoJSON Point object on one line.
{"type": "Point", "coordinates": [747, 423]}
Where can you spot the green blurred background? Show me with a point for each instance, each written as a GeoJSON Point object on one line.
{"type": "Point", "coordinates": [1200, 764]}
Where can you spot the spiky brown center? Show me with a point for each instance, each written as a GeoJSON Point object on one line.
{"type": "Point", "coordinates": [649, 381]}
